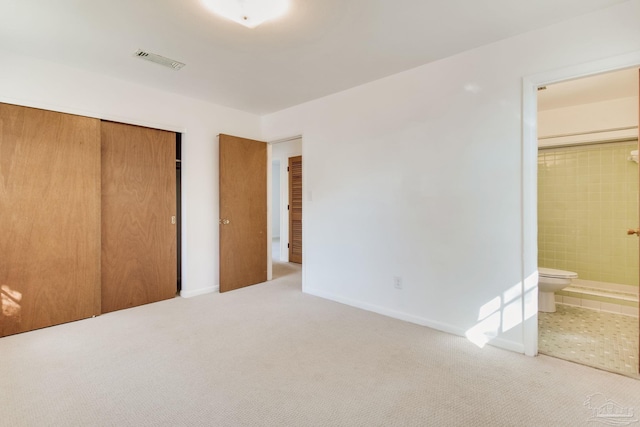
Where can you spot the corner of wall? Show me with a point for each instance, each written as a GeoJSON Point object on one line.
{"type": "Point", "coordinates": [198, 292]}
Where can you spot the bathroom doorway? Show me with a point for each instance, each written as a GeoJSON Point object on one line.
{"type": "Point", "coordinates": [587, 200]}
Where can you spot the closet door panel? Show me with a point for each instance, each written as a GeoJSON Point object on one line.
{"type": "Point", "coordinates": [50, 218]}
{"type": "Point", "coordinates": [138, 205]}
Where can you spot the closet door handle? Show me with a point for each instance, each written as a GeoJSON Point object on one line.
{"type": "Point", "coordinates": [632, 231]}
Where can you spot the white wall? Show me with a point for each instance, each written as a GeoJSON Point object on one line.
{"type": "Point", "coordinates": [420, 175]}
{"type": "Point", "coordinates": [281, 152]}
{"type": "Point", "coordinates": [35, 83]}
{"type": "Point", "coordinates": [589, 122]}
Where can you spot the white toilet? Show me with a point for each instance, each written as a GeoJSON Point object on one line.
{"type": "Point", "coordinates": [549, 281]}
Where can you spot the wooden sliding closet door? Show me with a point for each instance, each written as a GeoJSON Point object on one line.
{"type": "Point", "coordinates": [49, 218]}
{"type": "Point", "coordinates": [138, 216]}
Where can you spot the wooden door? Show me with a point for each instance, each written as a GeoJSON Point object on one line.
{"type": "Point", "coordinates": [50, 218]}
{"type": "Point", "coordinates": [138, 216]}
{"type": "Point", "coordinates": [295, 209]}
{"type": "Point", "coordinates": [243, 212]}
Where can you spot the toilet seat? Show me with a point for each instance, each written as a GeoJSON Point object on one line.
{"type": "Point", "coordinates": [556, 274]}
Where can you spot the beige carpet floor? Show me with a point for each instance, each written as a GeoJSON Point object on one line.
{"type": "Point", "coordinates": [270, 355]}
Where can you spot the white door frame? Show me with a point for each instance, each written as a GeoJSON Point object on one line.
{"type": "Point", "coordinates": [530, 86]}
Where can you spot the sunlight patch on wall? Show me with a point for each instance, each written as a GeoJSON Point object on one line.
{"type": "Point", "coordinates": [531, 296]}
{"type": "Point", "coordinates": [504, 312]}
{"type": "Point", "coordinates": [488, 325]}
{"type": "Point", "coordinates": [512, 310]}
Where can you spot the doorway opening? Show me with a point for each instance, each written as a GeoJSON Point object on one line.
{"type": "Point", "coordinates": [275, 209]}
{"type": "Point", "coordinates": [281, 207]}
{"type": "Point", "coordinates": [586, 199]}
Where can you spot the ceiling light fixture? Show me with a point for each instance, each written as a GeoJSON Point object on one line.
{"type": "Point", "coordinates": [249, 13]}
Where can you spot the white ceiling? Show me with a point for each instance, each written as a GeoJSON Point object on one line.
{"type": "Point", "coordinates": [587, 90]}
{"type": "Point", "coordinates": [320, 47]}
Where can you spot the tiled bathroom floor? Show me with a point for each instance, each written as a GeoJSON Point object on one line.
{"type": "Point", "coordinates": [604, 340]}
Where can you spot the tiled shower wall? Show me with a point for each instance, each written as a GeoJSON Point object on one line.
{"type": "Point", "coordinates": [587, 200]}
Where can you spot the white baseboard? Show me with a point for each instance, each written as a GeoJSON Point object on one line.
{"type": "Point", "coordinates": [433, 324]}
{"type": "Point", "coordinates": [198, 292]}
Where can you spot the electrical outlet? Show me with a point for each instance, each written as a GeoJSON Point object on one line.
{"type": "Point", "coordinates": [397, 282]}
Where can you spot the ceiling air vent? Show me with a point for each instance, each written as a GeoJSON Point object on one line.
{"type": "Point", "coordinates": [176, 65]}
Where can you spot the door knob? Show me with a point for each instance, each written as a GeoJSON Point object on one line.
{"type": "Point", "coordinates": [224, 222]}
{"type": "Point", "coordinates": [632, 231]}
